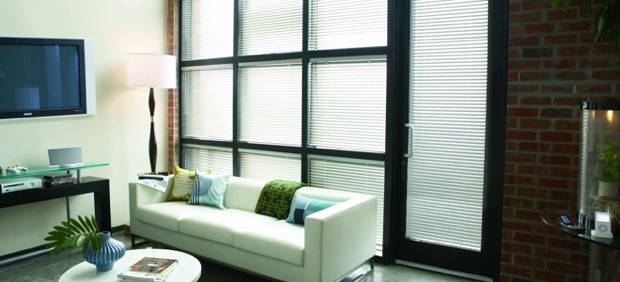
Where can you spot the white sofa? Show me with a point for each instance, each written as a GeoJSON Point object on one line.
{"type": "Point", "coordinates": [332, 243]}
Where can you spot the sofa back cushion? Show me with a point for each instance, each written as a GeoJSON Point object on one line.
{"type": "Point", "coordinates": [243, 193]}
{"type": "Point", "coordinates": [327, 194]}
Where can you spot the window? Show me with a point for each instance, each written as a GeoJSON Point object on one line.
{"type": "Point", "coordinates": [279, 105]}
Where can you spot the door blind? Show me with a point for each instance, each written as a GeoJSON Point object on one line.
{"type": "Point", "coordinates": [448, 73]}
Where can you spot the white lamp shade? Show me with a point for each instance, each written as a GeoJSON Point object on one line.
{"type": "Point", "coordinates": [152, 70]}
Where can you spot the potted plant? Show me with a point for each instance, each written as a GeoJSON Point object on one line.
{"type": "Point", "coordinates": [610, 158]}
{"type": "Point", "coordinates": [99, 248]}
{"type": "Point", "coordinates": [606, 18]}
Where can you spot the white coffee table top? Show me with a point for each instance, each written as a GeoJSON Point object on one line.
{"type": "Point", "coordinates": [189, 267]}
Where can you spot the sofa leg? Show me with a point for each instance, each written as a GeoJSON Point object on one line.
{"type": "Point", "coordinates": [137, 241]}
{"type": "Point", "coordinates": [370, 271]}
{"type": "Point", "coordinates": [361, 273]}
{"type": "Point", "coordinates": [133, 241]}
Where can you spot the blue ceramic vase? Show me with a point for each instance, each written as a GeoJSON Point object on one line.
{"type": "Point", "coordinates": [111, 251]}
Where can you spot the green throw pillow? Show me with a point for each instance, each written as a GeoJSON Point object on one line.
{"type": "Point", "coordinates": [303, 206]}
{"type": "Point", "coordinates": [182, 184]}
{"type": "Point", "coordinates": [275, 198]}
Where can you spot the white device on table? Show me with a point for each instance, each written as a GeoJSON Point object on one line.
{"type": "Point", "coordinates": [65, 157]}
{"type": "Point", "coordinates": [602, 225]}
{"type": "Point", "coordinates": [19, 184]}
{"type": "Point", "coordinates": [15, 169]}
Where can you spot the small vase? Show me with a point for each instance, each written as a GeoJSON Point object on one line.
{"type": "Point", "coordinates": [111, 251]}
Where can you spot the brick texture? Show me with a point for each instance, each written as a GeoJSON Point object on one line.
{"type": "Point", "coordinates": [173, 101]}
{"type": "Point", "coordinates": [553, 66]}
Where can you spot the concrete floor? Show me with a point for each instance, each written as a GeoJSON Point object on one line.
{"type": "Point", "coordinates": [44, 269]}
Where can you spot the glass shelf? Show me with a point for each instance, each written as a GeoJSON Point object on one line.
{"type": "Point", "coordinates": [46, 170]}
{"type": "Point", "coordinates": [550, 218]}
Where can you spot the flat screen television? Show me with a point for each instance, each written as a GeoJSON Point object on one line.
{"type": "Point", "coordinates": [46, 77]}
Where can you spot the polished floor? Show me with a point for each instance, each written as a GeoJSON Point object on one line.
{"type": "Point", "coordinates": [44, 269]}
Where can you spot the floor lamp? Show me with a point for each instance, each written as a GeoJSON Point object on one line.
{"type": "Point", "coordinates": [153, 71]}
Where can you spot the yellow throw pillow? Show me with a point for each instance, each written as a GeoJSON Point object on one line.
{"type": "Point", "coordinates": [182, 184]}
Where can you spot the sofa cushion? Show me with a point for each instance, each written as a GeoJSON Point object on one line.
{"type": "Point", "coordinates": [303, 206]}
{"type": "Point", "coordinates": [276, 197]}
{"type": "Point", "coordinates": [181, 184]}
{"type": "Point", "coordinates": [220, 227]}
{"type": "Point", "coordinates": [278, 240]}
{"type": "Point", "coordinates": [168, 214]}
{"type": "Point", "coordinates": [208, 189]}
{"type": "Point", "coordinates": [242, 193]}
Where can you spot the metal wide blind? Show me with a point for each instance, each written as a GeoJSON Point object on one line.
{"type": "Point", "coordinates": [270, 104]}
{"type": "Point", "coordinates": [270, 26]}
{"type": "Point", "coordinates": [207, 29]}
{"type": "Point", "coordinates": [353, 175]}
{"type": "Point", "coordinates": [347, 105]}
{"type": "Point", "coordinates": [270, 165]}
{"type": "Point", "coordinates": [207, 102]}
{"type": "Point", "coordinates": [347, 24]}
{"type": "Point", "coordinates": [448, 82]}
{"type": "Point", "coordinates": [215, 159]}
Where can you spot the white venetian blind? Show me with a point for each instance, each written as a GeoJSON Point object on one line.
{"type": "Point", "coordinates": [347, 105]}
{"type": "Point", "coordinates": [206, 101]}
{"type": "Point", "coordinates": [270, 165]}
{"type": "Point", "coordinates": [270, 26]}
{"type": "Point", "coordinates": [270, 104]}
{"type": "Point", "coordinates": [353, 175]}
{"type": "Point", "coordinates": [448, 82]}
{"type": "Point", "coordinates": [218, 160]}
{"type": "Point", "coordinates": [347, 24]}
{"type": "Point", "coordinates": [207, 29]}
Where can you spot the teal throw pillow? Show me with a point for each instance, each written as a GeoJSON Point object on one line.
{"type": "Point", "coordinates": [303, 206]}
{"type": "Point", "coordinates": [209, 189]}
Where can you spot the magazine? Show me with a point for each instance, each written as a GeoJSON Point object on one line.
{"type": "Point", "coordinates": [149, 269]}
{"type": "Point", "coordinates": [157, 182]}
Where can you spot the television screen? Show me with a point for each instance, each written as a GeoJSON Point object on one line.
{"type": "Point", "coordinates": [45, 77]}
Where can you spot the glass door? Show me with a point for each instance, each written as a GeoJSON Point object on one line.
{"type": "Point", "coordinates": [447, 222]}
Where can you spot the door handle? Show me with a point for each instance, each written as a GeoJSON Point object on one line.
{"type": "Point", "coordinates": [410, 135]}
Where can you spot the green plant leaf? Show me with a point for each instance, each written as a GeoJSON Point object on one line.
{"type": "Point", "coordinates": [72, 228]}
{"type": "Point", "coordinates": [83, 232]}
{"type": "Point", "coordinates": [77, 225]}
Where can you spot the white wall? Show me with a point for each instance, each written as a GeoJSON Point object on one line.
{"type": "Point", "coordinates": [117, 135]}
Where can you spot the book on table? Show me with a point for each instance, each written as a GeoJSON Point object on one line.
{"type": "Point", "coordinates": [149, 269]}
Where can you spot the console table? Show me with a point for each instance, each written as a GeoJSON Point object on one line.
{"type": "Point", "coordinates": [99, 187]}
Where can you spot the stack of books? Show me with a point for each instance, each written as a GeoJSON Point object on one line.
{"type": "Point", "coordinates": [57, 179]}
{"type": "Point", "coordinates": [149, 269]}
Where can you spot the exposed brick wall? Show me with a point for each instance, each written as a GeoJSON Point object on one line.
{"type": "Point", "coordinates": [173, 103]}
{"type": "Point", "coordinates": [553, 66]}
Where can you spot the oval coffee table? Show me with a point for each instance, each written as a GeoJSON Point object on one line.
{"type": "Point", "coordinates": [189, 267]}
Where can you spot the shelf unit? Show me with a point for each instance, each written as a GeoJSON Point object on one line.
{"type": "Point", "coordinates": [46, 170]}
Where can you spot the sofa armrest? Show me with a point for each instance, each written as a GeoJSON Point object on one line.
{"type": "Point", "coordinates": [340, 238]}
{"type": "Point", "coordinates": [140, 195]}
